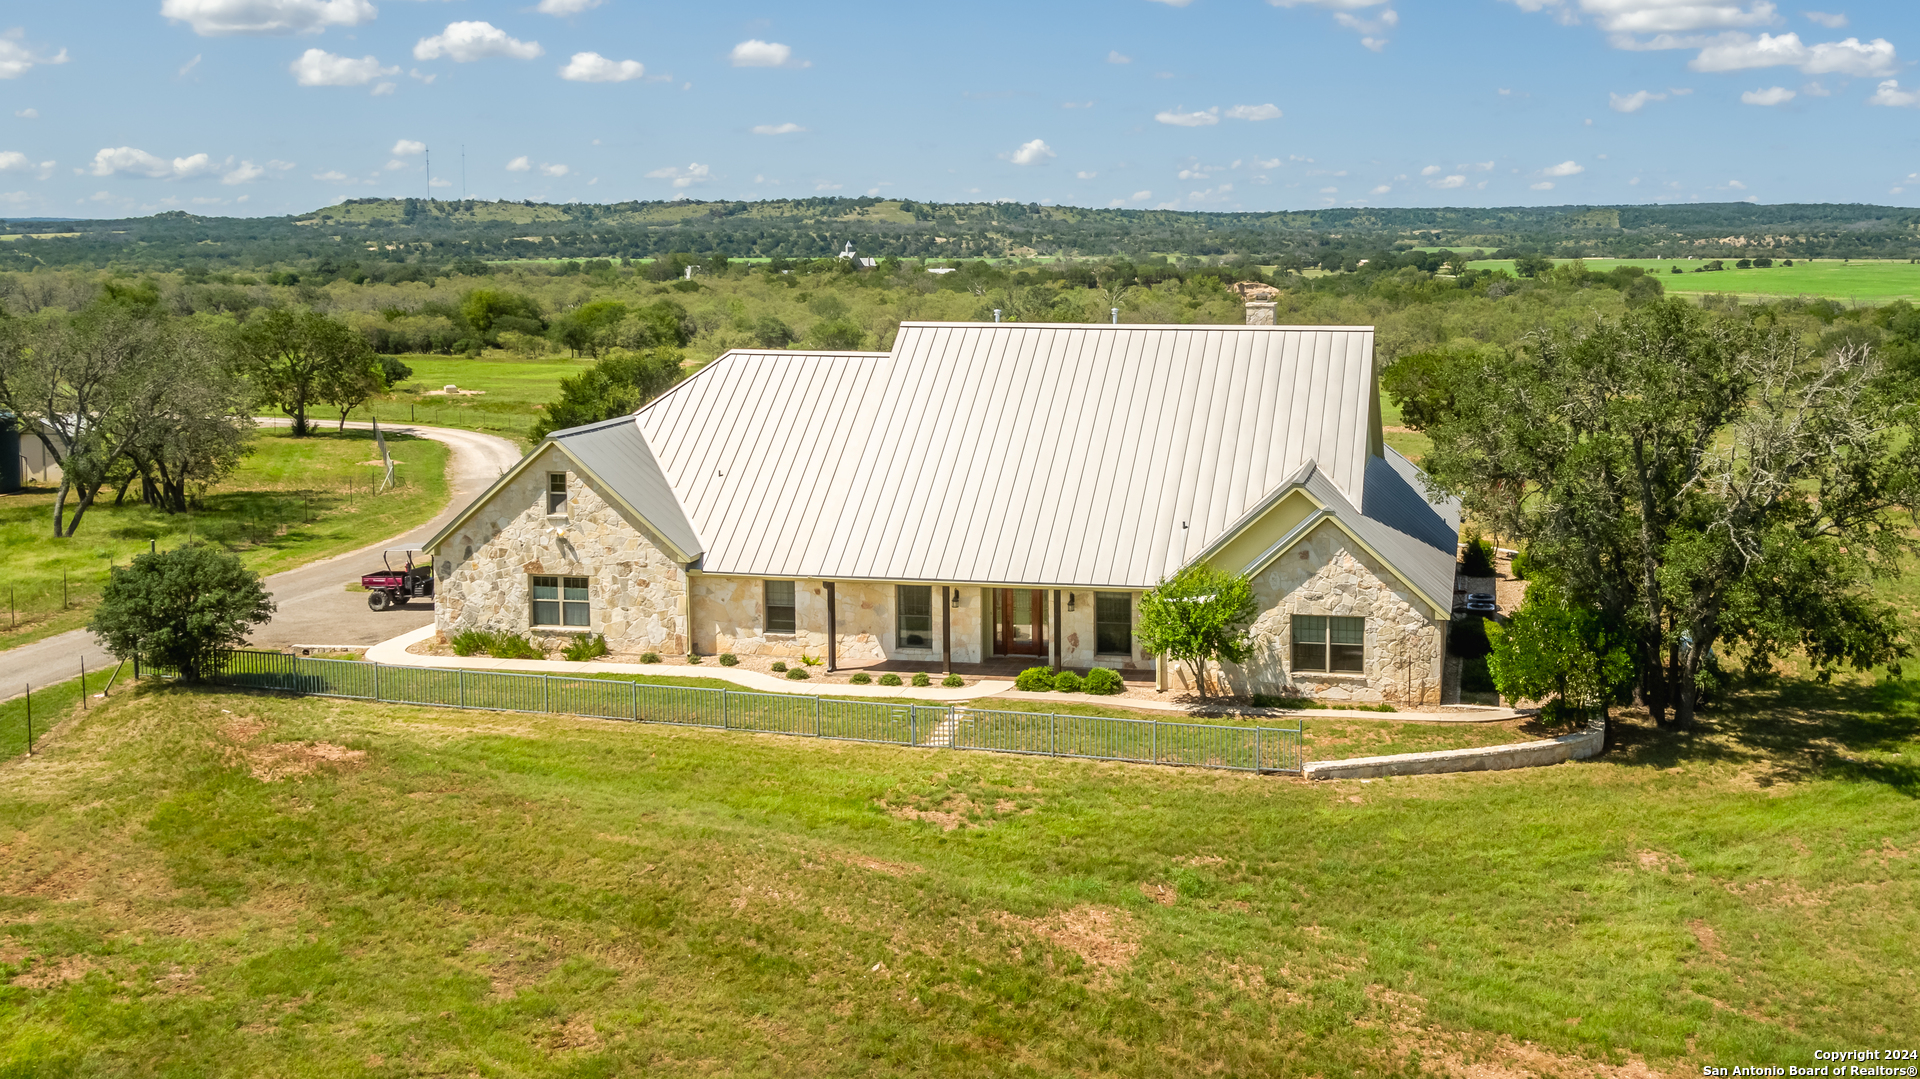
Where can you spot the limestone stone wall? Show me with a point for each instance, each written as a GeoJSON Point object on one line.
{"type": "Point", "coordinates": [1328, 575]}
{"type": "Point", "coordinates": [1079, 636]}
{"type": "Point", "coordinates": [729, 615]}
{"type": "Point", "coordinates": [635, 590]}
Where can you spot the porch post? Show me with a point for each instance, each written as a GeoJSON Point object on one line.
{"type": "Point", "coordinates": [1059, 653]}
{"type": "Point", "coordinates": [833, 636]}
{"type": "Point", "coordinates": [946, 628]}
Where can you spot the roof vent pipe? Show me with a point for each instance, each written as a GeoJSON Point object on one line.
{"type": "Point", "coordinates": [1116, 315]}
{"type": "Point", "coordinates": [996, 314]}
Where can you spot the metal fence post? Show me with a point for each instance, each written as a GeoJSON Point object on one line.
{"type": "Point", "coordinates": [1156, 741]}
{"type": "Point", "coordinates": [1053, 734]}
{"type": "Point", "coordinates": [913, 724]}
{"type": "Point", "coordinates": [462, 679]}
{"type": "Point", "coordinates": [1256, 747]}
{"type": "Point", "coordinates": [376, 682]}
{"type": "Point", "coordinates": [816, 717]}
{"type": "Point", "coordinates": [726, 723]}
{"type": "Point", "coordinates": [634, 696]}
{"type": "Point", "coordinates": [546, 693]}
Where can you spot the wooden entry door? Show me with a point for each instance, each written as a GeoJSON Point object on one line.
{"type": "Point", "coordinates": [1020, 622]}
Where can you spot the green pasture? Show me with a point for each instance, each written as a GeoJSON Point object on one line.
{"type": "Point", "coordinates": [1863, 281]}
{"type": "Point", "coordinates": [291, 501]}
{"type": "Point", "coordinates": [514, 388]}
{"type": "Point", "coordinates": [224, 883]}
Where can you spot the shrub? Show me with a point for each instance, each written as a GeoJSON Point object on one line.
{"type": "Point", "coordinates": [649, 657]}
{"type": "Point", "coordinates": [779, 666]}
{"type": "Point", "coordinates": [1102, 680]}
{"type": "Point", "coordinates": [469, 642]}
{"type": "Point", "coordinates": [179, 608]}
{"type": "Point", "coordinates": [810, 661]}
{"type": "Point", "coordinates": [512, 646]}
{"type": "Point", "coordinates": [728, 659]}
{"type": "Point", "coordinates": [1035, 680]}
{"type": "Point", "coordinates": [921, 679]}
{"type": "Point", "coordinates": [889, 679]}
{"type": "Point", "coordinates": [693, 659]}
{"type": "Point", "coordinates": [953, 680]}
{"type": "Point", "coordinates": [798, 673]}
{"type": "Point", "coordinates": [1522, 566]}
{"type": "Point", "coordinates": [861, 678]}
{"type": "Point", "coordinates": [1477, 559]}
{"type": "Point", "coordinates": [1275, 700]}
{"type": "Point", "coordinates": [581, 649]}
{"type": "Point", "coordinates": [1066, 682]}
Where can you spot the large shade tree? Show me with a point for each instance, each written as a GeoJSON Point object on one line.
{"type": "Point", "coordinates": [1696, 479]}
{"type": "Point", "coordinates": [301, 359]}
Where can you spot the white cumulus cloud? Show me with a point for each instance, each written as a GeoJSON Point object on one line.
{"type": "Point", "coordinates": [593, 67]}
{"type": "Point", "coordinates": [777, 129]}
{"type": "Point", "coordinates": [1564, 168]}
{"type": "Point", "coordinates": [246, 173]}
{"type": "Point", "coordinates": [15, 161]}
{"type": "Point", "coordinates": [1776, 95]}
{"type": "Point", "coordinates": [408, 147]}
{"type": "Point", "coordinates": [1890, 94]}
{"type": "Point", "coordinates": [1446, 183]}
{"type": "Point", "coordinates": [218, 18]}
{"type": "Point", "coordinates": [1189, 119]}
{"type": "Point", "coordinates": [1115, 56]}
{"type": "Point", "coordinates": [693, 174]}
{"type": "Point", "coordinates": [464, 42]}
{"type": "Point", "coordinates": [1849, 57]}
{"type": "Point", "coordinates": [16, 59]}
{"type": "Point", "coordinates": [566, 7]}
{"type": "Point", "coordinates": [318, 67]}
{"type": "Point", "coordinates": [555, 171]}
{"type": "Point", "coordinates": [1633, 102]}
{"type": "Point", "coordinates": [756, 53]}
{"type": "Point", "coordinates": [1034, 152]}
{"type": "Point", "coordinates": [519, 164]}
{"type": "Point", "coordinates": [1544, 185]}
{"type": "Point", "coordinates": [1830, 20]}
{"type": "Point", "coordinates": [128, 161]}
{"type": "Point", "coordinates": [1254, 112]}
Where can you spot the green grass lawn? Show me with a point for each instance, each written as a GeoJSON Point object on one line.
{"type": "Point", "coordinates": [291, 501]}
{"type": "Point", "coordinates": [1866, 281]}
{"type": "Point", "coordinates": [515, 388]}
{"type": "Point", "coordinates": [232, 884]}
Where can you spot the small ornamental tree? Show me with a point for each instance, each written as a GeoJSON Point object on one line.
{"type": "Point", "coordinates": [179, 608]}
{"type": "Point", "coordinates": [1559, 653]}
{"type": "Point", "coordinates": [1199, 615]}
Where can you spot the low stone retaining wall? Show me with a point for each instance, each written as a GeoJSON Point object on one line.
{"type": "Point", "coordinates": [1568, 747]}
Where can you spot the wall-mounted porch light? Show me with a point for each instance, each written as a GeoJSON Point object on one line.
{"type": "Point", "coordinates": [1069, 601]}
{"type": "Point", "coordinates": [956, 597]}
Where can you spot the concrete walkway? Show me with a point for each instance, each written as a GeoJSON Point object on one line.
{"type": "Point", "coordinates": [314, 605]}
{"type": "Point", "coordinates": [394, 653]}
{"type": "Point", "coordinates": [984, 692]}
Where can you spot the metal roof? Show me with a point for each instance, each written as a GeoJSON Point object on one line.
{"type": "Point", "coordinates": [617, 454]}
{"type": "Point", "coordinates": [1415, 558]}
{"type": "Point", "coordinates": [1084, 455]}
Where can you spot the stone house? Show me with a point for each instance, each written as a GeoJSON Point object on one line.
{"type": "Point", "coordinates": [983, 493]}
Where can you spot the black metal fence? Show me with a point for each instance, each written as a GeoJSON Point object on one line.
{"type": "Point", "coordinates": [941, 726]}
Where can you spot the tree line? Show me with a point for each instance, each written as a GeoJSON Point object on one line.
{"type": "Point", "coordinates": [120, 392]}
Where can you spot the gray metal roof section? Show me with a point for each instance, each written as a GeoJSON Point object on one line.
{"type": "Point", "coordinates": [1397, 497]}
{"type": "Point", "coordinates": [1425, 566]}
{"type": "Point", "coordinates": [617, 454]}
{"type": "Point", "coordinates": [1010, 454]}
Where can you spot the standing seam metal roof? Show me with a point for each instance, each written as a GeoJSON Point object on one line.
{"type": "Point", "coordinates": [1019, 453]}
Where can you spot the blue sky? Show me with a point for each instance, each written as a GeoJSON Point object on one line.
{"type": "Point", "coordinates": [279, 106]}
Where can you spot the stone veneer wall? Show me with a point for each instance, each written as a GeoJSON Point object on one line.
{"type": "Point", "coordinates": [635, 590]}
{"type": "Point", "coordinates": [729, 615]}
{"type": "Point", "coordinates": [1326, 575]}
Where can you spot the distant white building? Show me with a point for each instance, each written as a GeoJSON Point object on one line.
{"type": "Point", "coordinates": [863, 263]}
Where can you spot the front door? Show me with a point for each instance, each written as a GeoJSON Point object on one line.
{"type": "Point", "coordinates": [1020, 622]}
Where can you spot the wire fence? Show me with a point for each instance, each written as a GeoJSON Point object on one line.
{"type": "Point", "coordinates": [934, 726]}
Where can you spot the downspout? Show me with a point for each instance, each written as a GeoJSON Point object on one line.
{"type": "Point", "coordinates": [833, 637]}
{"type": "Point", "coordinates": [946, 628]}
{"type": "Point", "coordinates": [686, 612]}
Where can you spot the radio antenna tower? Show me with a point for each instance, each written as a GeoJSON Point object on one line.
{"type": "Point", "coordinates": [429, 153]}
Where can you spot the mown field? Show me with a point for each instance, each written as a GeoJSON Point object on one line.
{"type": "Point", "coordinates": [221, 883]}
{"type": "Point", "coordinates": [291, 501]}
{"type": "Point", "coordinates": [1861, 281]}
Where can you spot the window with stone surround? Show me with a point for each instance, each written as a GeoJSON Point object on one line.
{"type": "Point", "coordinates": [556, 493]}
{"type": "Point", "coordinates": [560, 601]}
{"type": "Point", "coordinates": [780, 607]}
{"type": "Point", "coordinates": [913, 624]}
{"type": "Point", "coordinates": [1324, 643]}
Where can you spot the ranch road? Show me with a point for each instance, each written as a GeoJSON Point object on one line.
{"type": "Point", "coordinates": [313, 604]}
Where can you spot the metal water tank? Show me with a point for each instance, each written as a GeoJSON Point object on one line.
{"type": "Point", "coordinates": [9, 455]}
